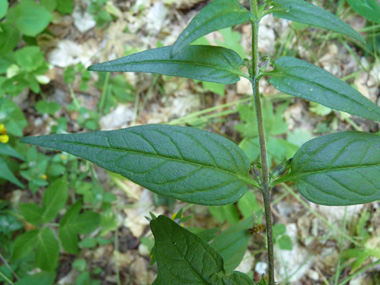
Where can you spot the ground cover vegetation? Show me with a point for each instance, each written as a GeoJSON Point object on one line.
{"type": "Point", "coordinates": [64, 220]}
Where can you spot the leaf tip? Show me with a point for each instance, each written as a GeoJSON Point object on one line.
{"type": "Point", "coordinates": [92, 67]}
{"type": "Point", "coordinates": [25, 140]}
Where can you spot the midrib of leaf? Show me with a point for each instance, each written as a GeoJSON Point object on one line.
{"type": "Point", "coordinates": [171, 61]}
{"type": "Point", "coordinates": [47, 209]}
{"type": "Point", "coordinates": [242, 178]}
{"type": "Point", "coordinates": [282, 74]}
{"type": "Point", "coordinates": [183, 258]}
{"type": "Point", "coordinates": [347, 31]}
{"type": "Point", "coordinates": [42, 243]}
{"type": "Point", "coordinates": [294, 176]}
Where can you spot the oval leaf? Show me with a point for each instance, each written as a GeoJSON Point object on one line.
{"type": "Point", "coordinates": [232, 243]}
{"type": "Point", "coordinates": [183, 257]}
{"type": "Point", "coordinates": [302, 79]}
{"type": "Point", "coordinates": [180, 162]}
{"type": "Point", "coordinates": [217, 15]}
{"type": "Point", "coordinates": [338, 169]}
{"type": "Point", "coordinates": [47, 252]}
{"type": "Point", "coordinates": [207, 63]}
{"type": "Point", "coordinates": [7, 174]}
{"type": "Point", "coordinates": [370, 9]}
{"type": "Point", "coordinates": [55, 198]}
{"type": "Point", "coordinates": [307, 13]}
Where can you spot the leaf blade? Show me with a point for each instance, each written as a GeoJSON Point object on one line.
{"type": "Point", "coordinates": [207, 63]}
{"type": "Point", "coordinates": [302, 79]}
{"type": "Point", "coordinates": [32, 213]}
{"type": "Point", "coordinates": [215, 16]}
{"type": "Point", "coordinates": [232, 243]}
{"type": "Point", "coordinates": [338, 169]}
{"type": "Point", "coordinates": [55, 198]}
{"type": "Point", "coordinates": [24, 244]}
{"type": "Point", "coordinates": [307, 13]}
{"type": "Point", "coordinates": [369, 9]}
{"type": "Point", "coordinates": [172, 161]}
{"type": "Point", "coordinates": [47, 253]}
{"type": "Point", "coordinates": [7, 174]}
{"type": "Point", "coordinates": [184, 257]}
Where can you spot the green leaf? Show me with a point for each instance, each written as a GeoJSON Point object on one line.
{"type": "Point", "coordinates": [55, 198]}
{"type": "Point", "coordinates": [45, 107]}
{"type": "Point", "coordinates": [225, 212]}
{"type": "Point", "coordinates": [7, 174]}
{"type": "Point", "coordinates": [68, 237]}
{"type": "Point", "coordinates": [217, 15]}
{"type": "Point", "coordinates": [32, 213]}
{"type": "Point", "coordinates": [3, 8]}
{"type": "Point", "coordinates": [302, 79]}
{"type": "Point", "coordinates": [47, 253]}
{"type": "Point", "coordinates": [30, 58]}
{"type": "Point", "coordinates": [73, 224]}
{"type": "Point", "coordinates": [15, 120]}
{"type": "Point", "coordinates": [50, 5]}
{"type": "Point", "coordinates": [86, 222]}
{"type": "Point", "coordinates": [307, 13]}
{"type": "Point", "coordinates": [207, 63]}
{"type": "Point", "coordinates": [24, 244]}
{"type": "Point", "coordinates": [338, 169]}
{"type": "Point", "coordinates": [217, 88]}
{"type": "Point", "coordinates": [42, 278]}
{"type": "Point", "coordinates": [9, 37]}
{"type": "Point", "coordinates": [232, 243]}
{"type": "Point", "coordinates": [80, 264]}
{"type": "Point", "coordinates": [65, 6]}
{"type": "Point", "coordinates": [179, 162]}
{"type": "Point", "coordinates": [6, 149]}
{"type": "Point", "coordinates": [284, 242]}
{"type": "Point", "coordinates": [248, 205]}
{"type": "Point", "coordinates": [370, 9]}
{"type": "Point", "coordinates": [184, 257]}
{"type": "Point", "coordinates": [29, 17]}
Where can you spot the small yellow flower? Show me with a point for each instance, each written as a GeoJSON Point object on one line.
{"type": "Point", "coordinates": [63, 157]}
{"type": "Point", "coordinates": [4, 138]}
{"type": "Point", "coordinates": [43, 176]}
{"type": "Point", "coordinates": [3, 130]}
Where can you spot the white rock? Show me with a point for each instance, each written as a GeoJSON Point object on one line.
{"type": "Point", "coordinates": [118, 118]}
{"type": "Point", "coordinates": [156, 17]}
{"type": "Point", "coordinates": [296, 262]}
{"type": "Point", "coordinates": [70, 53]}
{"type": "Point", "coordinates": [261, 268]}
{"type": "Point", "coordinates": [83, 20]}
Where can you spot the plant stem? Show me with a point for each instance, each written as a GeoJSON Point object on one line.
{"type": "Point", "coordinates": [104, 94]}
{"type": "Point", "coordinates": [260, 124]}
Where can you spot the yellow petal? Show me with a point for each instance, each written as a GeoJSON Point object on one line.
{"type": "Point", "coordinates": [3, 130]}
{"type": "Point", "coordinates": [4, 138]}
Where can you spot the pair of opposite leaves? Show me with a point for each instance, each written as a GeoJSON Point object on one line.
{"type": "Point", "coordinates": [204, 168]}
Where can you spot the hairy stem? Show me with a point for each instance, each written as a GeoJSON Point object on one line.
{"type": "Point", "coordinates": [260, 124]}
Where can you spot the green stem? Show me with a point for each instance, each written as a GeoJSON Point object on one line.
{"type": "Point", "coordinates": [104, 94]}
{"type": "Point", "coordinates": [5, 278]}
{"type": "Point", "coordinates": [260, 124]}
{"type": "Point", "coordinates": [9, 268]}
{"type": "Point", "coordinates": [74, 97]}
{"type": "Point", "coordinates": [338, 269]}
